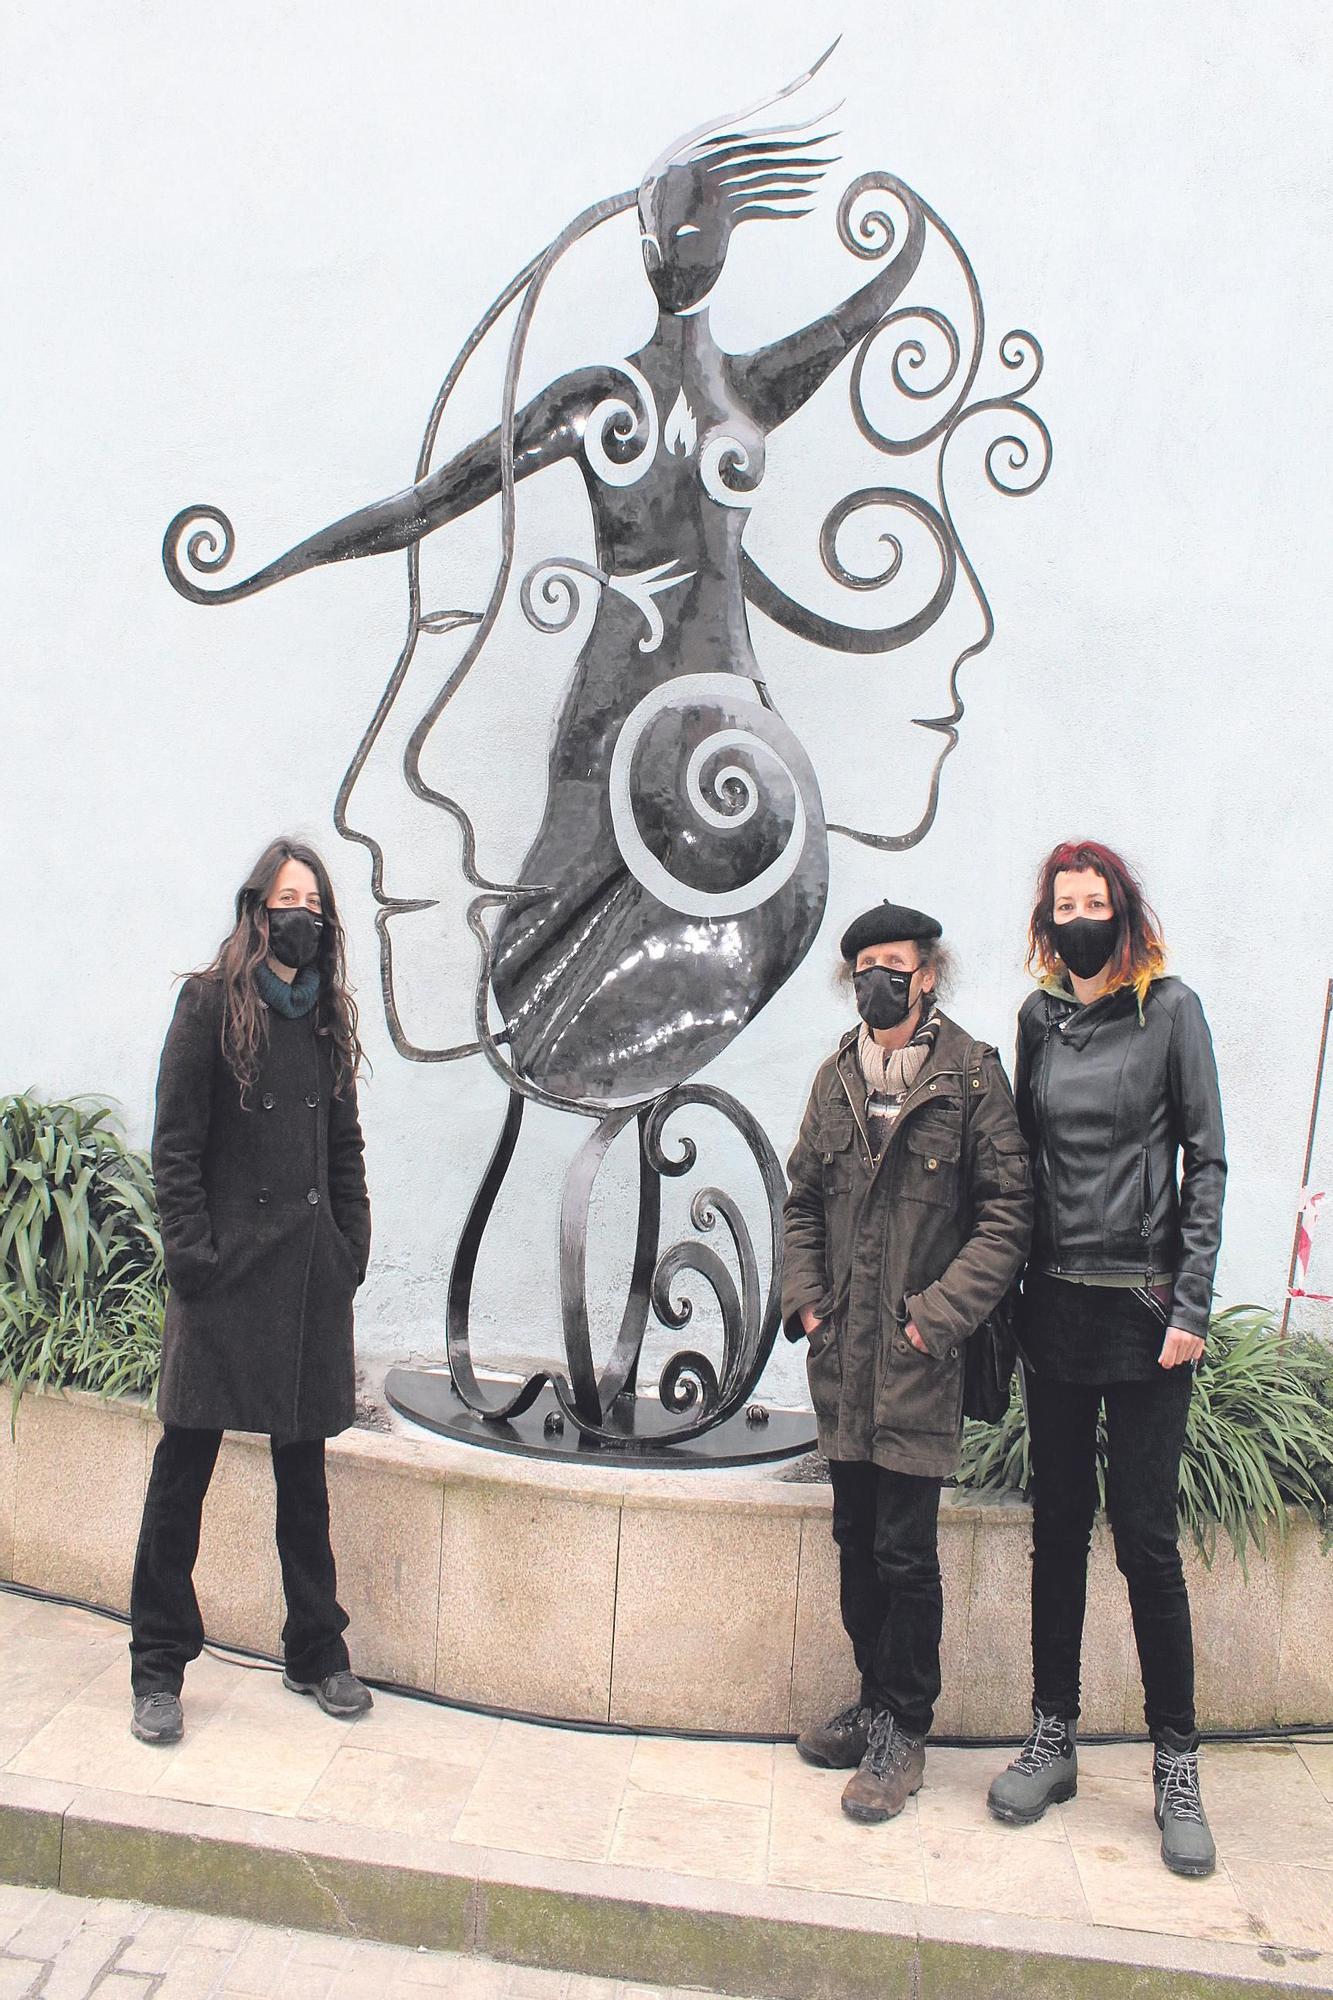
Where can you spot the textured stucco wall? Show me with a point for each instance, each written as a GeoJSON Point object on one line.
{"type": "Point", "coordinates": [247, 245]}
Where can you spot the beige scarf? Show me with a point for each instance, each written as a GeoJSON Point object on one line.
{"type": "Point", "coordinates": [891, 1072]}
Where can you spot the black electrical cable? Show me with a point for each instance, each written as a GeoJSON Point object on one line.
{"type": "Point", "coordinates": [245, 1656]}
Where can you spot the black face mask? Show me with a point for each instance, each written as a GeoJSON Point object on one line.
{"type": "Point", "coordinates": [1086, 943]}
{"type": "Point", "coordinates": [882, 996]}
{"type": "Point", "coordinates": [293, 936]}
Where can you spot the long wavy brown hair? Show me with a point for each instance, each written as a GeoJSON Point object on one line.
{"type": "Point", "coordinates": [244, 1015]}
{"type": "Point", "coordinates": [1140, 954]}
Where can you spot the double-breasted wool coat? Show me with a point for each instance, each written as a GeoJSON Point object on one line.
{"type": "Point", "coordinates": [265, 1227]}
{"type": "Point", "coordinates": [934, 1232]}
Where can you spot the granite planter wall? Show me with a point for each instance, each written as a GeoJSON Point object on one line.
{"type": "Point", "coordinates": [654, 1600]}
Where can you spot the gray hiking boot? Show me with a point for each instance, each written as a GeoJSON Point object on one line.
{"type": "Point", "coordinates": [157, 1717]}
{"type": "Point", "coordinates": [1187, 1845]}
{"type": "Point", "coordinates": [1044, 1773]}
{"type": "Point", "coordinates": [341, 1695]}
{"type": "Point", "coordinates": [838, 1744]}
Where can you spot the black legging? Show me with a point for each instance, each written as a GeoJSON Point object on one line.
{"type": "Point", "coordinates": [1145, 1423]}
{"type": "Point", "coordinates": [166, 1629]}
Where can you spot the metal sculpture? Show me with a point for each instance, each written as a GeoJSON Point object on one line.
{"type": "Point", "coordinates": [680, 870]}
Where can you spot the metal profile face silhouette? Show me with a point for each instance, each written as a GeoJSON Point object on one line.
{"type": "Point", "coordinates": [680, 869]}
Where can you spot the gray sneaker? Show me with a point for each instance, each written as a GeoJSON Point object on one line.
{"type": "Point", "coordinates": [341, 1695]}
{"type": "Point", "coordinates": [1044, 1773]}
{"type": "Point", "coordinates": [838, 1744]}
{"type": "Point", "coordinates": [1187, 1845]}
{"type": "Point", "coordinates": [157, 1717]}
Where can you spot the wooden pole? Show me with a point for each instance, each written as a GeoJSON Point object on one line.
{"type": "Point", "coordinates": [1309, 1155]}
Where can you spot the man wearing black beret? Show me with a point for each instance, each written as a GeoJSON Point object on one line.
{"type": "Point", "coordinates": [909, 1216]}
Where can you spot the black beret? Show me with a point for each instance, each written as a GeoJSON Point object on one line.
{"type": "Point", "coordinates": [887, 923]}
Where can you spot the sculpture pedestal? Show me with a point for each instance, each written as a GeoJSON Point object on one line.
{"type": "Point", "coordinates": [755, 1434]}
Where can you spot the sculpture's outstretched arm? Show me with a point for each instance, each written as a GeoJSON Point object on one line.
{"type": "Point", "coordinates": [549, 428]}
{"type": "Point", "coordinates": [776, 380]}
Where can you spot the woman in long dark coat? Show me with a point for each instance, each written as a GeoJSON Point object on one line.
{"type": "Point", "coordinates": [261, 1187]}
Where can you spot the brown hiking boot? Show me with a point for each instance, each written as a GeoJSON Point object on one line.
{"type": "Point", "coordinates": [840, 1743]}
{"type": "Point", "coordinates": [891, 1770]}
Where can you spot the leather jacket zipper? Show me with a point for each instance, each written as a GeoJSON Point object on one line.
{"type": "Point", "coordinates": [1046, 1154]}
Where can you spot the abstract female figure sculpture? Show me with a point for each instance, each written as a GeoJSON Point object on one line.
{"type": "Point", "coordinates": [680, 870]}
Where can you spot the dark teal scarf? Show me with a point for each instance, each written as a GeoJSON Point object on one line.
{"type": "Point", "coordinates": [296, 1000]}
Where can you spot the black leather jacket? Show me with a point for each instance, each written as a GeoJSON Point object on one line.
{"type": "Point", "coordinates": [1110, 1103]}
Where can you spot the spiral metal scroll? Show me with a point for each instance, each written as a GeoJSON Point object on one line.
{"type": "Point", "coordinates": [933, 369]}
{"type": "Point", "coordinates": [691, 1386]}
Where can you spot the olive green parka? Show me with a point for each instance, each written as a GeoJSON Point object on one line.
{"type": "Point", "coordinates": [934, 1232]}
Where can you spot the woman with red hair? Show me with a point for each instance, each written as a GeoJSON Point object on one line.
{"type": "Point", "coordinates": [1117, 1094]}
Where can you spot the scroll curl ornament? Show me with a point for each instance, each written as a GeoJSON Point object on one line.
{"type": "Point", "coordinates": [1020, 349]}
{"type": "Point", "coordinates": [766, 767]}
{"type": "Point", "coordinates": [691, 1386]}
{"type": "Point", "coordinates": [208, 550]}
{"type": "Point", "coordinates": [1027, 449]}
{"type": "Point", "coordinates": [917, 369]}
{"type": "Point", "coordinates": [617, 420]}
{"type": "Point", "coordinates": [730, 469]}
{"type": "Point", "coordinates": [796, 617]}
{"type": "Point", "coordinates": [912, 357]}
{"type": "Point", "coordinates": [558, 582]}
{"type": "Point", "coordinates": [873, 233]}
{"type": "Point", "coordinates": [910, 503]}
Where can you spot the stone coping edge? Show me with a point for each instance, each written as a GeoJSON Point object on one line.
{"type": "Point", "coordinates": [723, 1491]}
{"type": "Point", "coordinates": [596, 1920]}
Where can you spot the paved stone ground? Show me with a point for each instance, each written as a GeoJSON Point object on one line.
{"type": "Point", "coordinates": [55, 1947]}
{"type": "Point", "coordinates": [731, 1813]}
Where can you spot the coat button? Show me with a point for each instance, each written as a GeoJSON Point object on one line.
{"type": "Point", "coordinates": [976, 1083]}
{"type": "Point", "coordinates": [933, 1086]}
{"type": "Point", "coordinates": [262, 1196]}
{"type": "Point", "coordinates": [312, 1098]}
{"type": "Point", "coordinates": [313, 1197]}
{"type": "Point", "coordinates": [932, 1166]}
{"type": "Point", "coordinates": [268, 1100]}
{"type": "Point", "coordinates": [953, 1354]}
{"type": "Point", "coordinates": [901, 1345]}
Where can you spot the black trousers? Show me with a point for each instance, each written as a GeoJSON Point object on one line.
{"type": "Point", "coordinates": [886, 1526]}
{"type": "Point", "coordinates": [1145, 1425]}
{"type": "Point", "coordinates": [166, 1630]}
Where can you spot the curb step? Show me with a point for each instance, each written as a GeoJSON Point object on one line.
{"type": "Point", "coordinates": [588, 1918]}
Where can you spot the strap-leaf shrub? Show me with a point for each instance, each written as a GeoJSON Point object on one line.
{"type": "Point", "coordinates": [81, 1281]}
{"type": "Point", "coordinates": [1259, 1438]}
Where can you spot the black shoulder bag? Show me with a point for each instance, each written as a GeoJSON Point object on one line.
{"type": "Point", "coordinates": [989, 1356]}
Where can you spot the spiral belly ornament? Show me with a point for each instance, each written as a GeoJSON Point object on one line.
{"type": "Point", "coordinates": [709, 813]}
{"type": "Point", "coordinates": [679, 894]}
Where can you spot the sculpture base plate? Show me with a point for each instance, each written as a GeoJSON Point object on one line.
{"type": "Point", "coordinates": [426, 1396]}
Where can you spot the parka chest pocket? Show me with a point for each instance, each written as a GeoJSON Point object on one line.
{"type": "Point", "coordinates": [834, 1142]}
{"type": "Point", "coordinates": [929, 1169]}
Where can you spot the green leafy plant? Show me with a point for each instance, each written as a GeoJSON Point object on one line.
{"type": "Point", "coordinates": [81, 1281]}
{"type": "Point", "coordinates": [1259, 1438]}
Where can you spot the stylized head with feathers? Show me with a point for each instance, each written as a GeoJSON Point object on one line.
{"type": "Point", "coordinates": [721, 174]}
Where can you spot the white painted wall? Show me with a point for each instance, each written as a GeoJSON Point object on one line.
{"type": "Point", "coordinates": [245, 245]}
